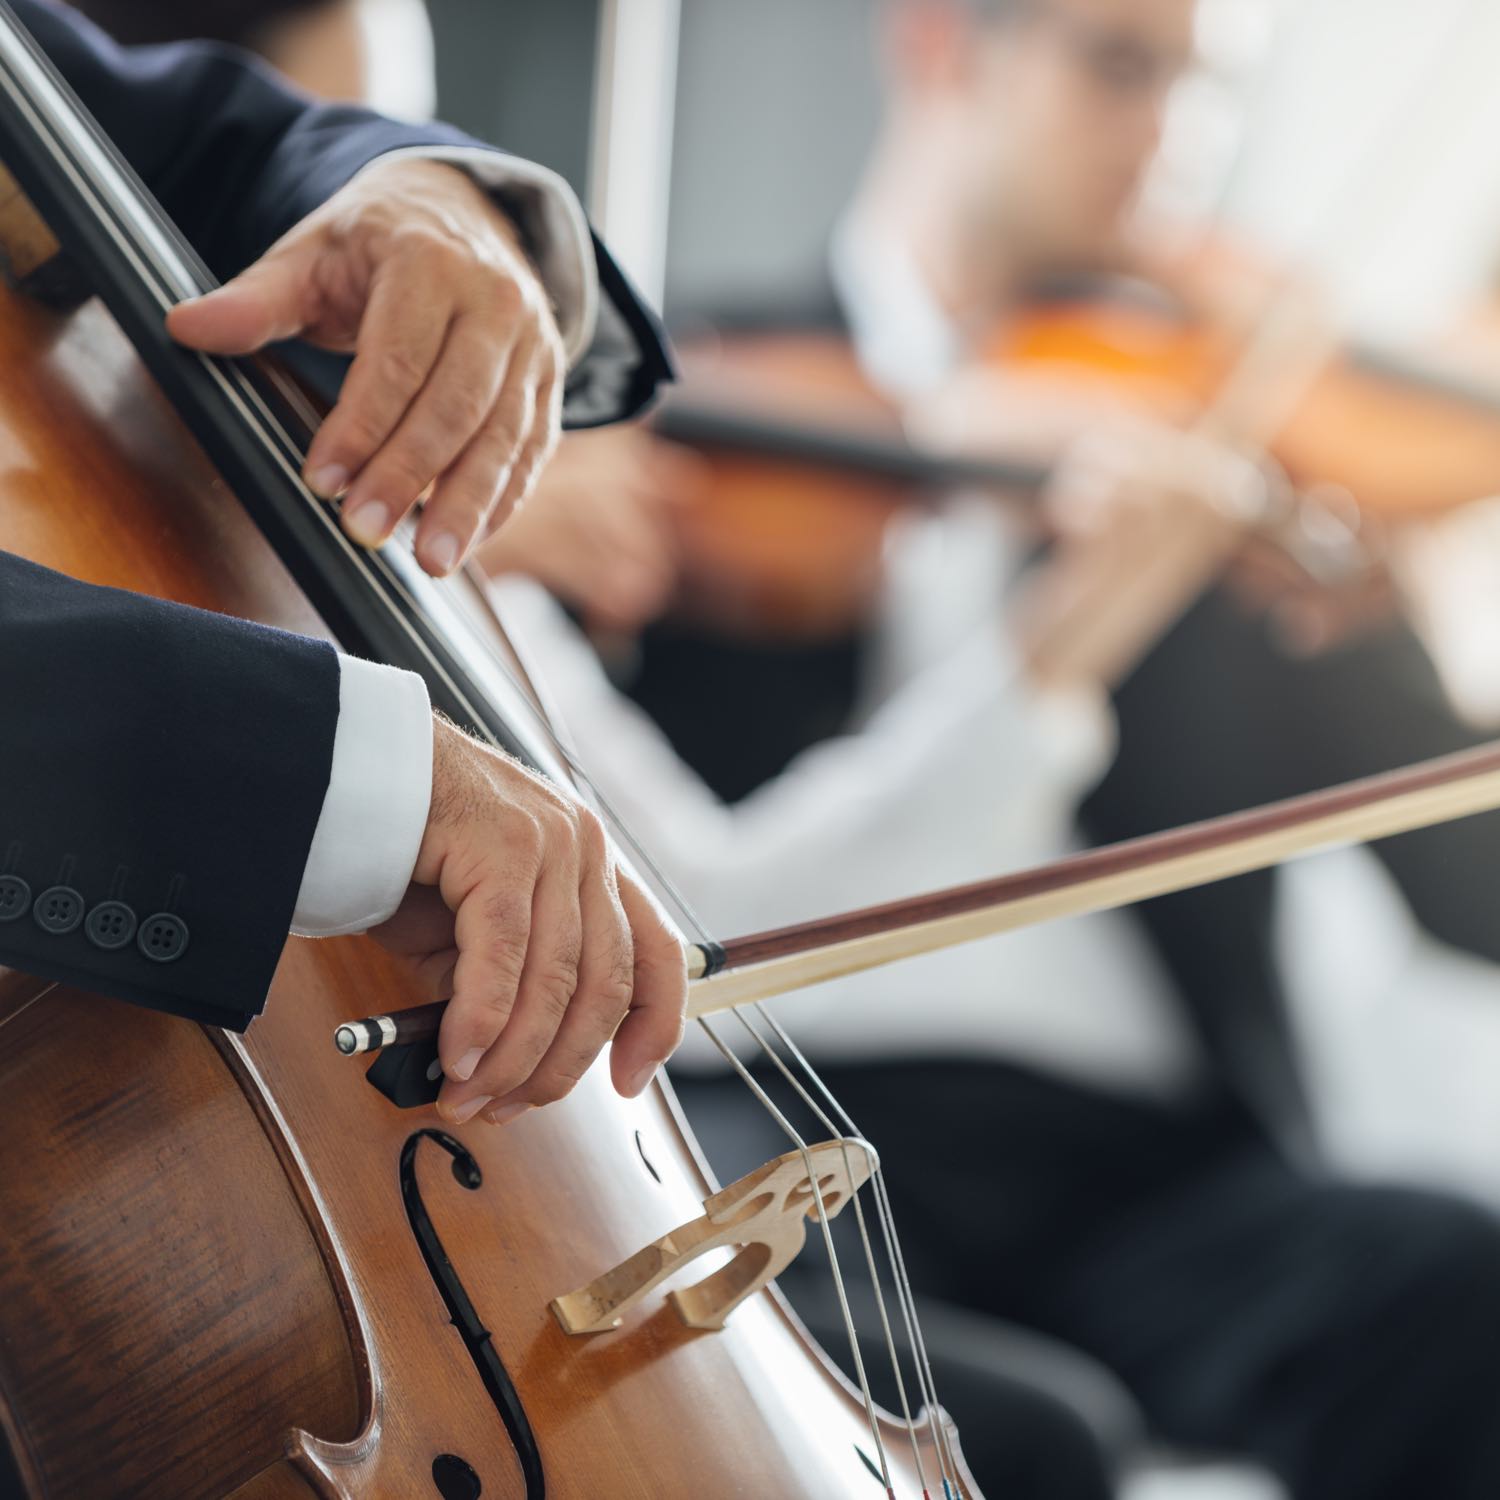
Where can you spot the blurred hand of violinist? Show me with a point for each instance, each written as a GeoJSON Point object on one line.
{"type": "Point", "coordinates": [1130, 475]}
{"type": "Point", "coordinates": [457, 379]}
{"type": "Point", "coordinates": [601, 531]}
{"type": "Point", "coordinates": [1142, 518]}
{"type": "Point", "coordinates": [1320, 582]}
{"type": "Point", "coordinates": [1143, 514]}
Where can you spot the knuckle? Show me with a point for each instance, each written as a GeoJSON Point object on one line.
{"type": "Point", "coordinates": [468, 504]}
{"type": "Point", "coordinates": [507, 428]}
{"type": "Point", "coordinates": [516, 409]}
{"type": "Point", "coordinates": [620, 983]}
{"type": "Point", "coordinates": [590, 830]}
{"type": "Point", "coordinates": [504, 295]}
{"type": "Point", "coordinates": [506, 921]}
{"type": "Point", "coordinates": [499, 997]}
{"type": "Point", "coordinates": [419, 238]}
{"type": "Point", "coordinates": [503, 912]}
{"type": "Point", "coordinates": [556, 982]}
{"type": "Point", "coordinates": [466, 406]}
{"type": "Point", "coordinates": [404, 474]}
{"type": "Point", "coordinates": [486, 1012]}
{"type": "Point", "coordinates": [527, 835]}
{"type": "Point", "coordinates": [399, 366]}
{"type": "Point", "coordinates": [563, 817]}
{"type": "Point", "coordinates": [554, 1084]}
{"type": "Point", "coordinates": [363, 430]}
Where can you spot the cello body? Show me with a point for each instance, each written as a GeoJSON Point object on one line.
{"type": "Point", "coordinates": [230, 1267]}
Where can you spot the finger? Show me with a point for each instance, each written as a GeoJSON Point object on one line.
{"type": "Point", "coordinates": [491, 924]}
{"type": "Point", "coordinates": [458, 515]}
{"type": "Point", "coordinates": [606, 980]}
{"type": "Point", "coordinates": [430, 975]}
{"type": "Point", "coordinates": [547, 983]}
{"type": "Point", "coordinates": [455, 401]}
{"type": "Point", "coordinates": [476, 496]}
{"type": "Point", "coordinates": [420, 936]}
{"type": "Point", "coordinates": [651, 1032]}
{"type": "Point", "coordinates": [541, 443]}
{"type": "Point", "coordinates": [400, 337]}
{"type": "Point", "coordinates": [421, 924]}
{"type": "Point", "coordinates": [276, 298]}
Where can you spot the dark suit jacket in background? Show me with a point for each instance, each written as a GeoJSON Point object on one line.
{"type": "Point", "coordinates": [162, 770]}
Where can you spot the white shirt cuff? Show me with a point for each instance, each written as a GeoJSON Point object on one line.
{"type": "Point", "coordinates": [375, 811]}
{"type": "Point", "coordinates": [551, 219]}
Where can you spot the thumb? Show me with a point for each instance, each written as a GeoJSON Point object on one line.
{"type": "Point", "coordinates": [271, 300]}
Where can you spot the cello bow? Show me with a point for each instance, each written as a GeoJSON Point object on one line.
{"type": "Point", "coordinates": [761, 966]}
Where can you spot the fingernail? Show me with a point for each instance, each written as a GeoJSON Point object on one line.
{"type": "Point", "coordinates": [463, 1070]}
{"type": "Point", "coordinates": [508, 1112]}
{"type": "Point", "coordinates": [330, 481]}
{"type": "Point", "coordinates": [367, 523]}
{"type": "Point", "coordinates": [461, 1114]}
{"type": "Point", "coordinates": [442, 552]}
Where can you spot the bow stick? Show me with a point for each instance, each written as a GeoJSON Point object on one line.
{"type": "Point", "coordinates": [767, 964]}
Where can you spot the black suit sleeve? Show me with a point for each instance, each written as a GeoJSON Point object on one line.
{"type": "Point", "coordinates": [237, 157]}
{"type": "Point", "coordinates": [162, 771]}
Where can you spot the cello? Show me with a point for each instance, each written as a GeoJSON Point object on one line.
{"type": "Point", "coordinates": [230, 1268]}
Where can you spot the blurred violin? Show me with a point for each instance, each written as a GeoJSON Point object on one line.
{"type": "Point", "coordinates": [1403, 436]}
{"type": "Point", "coordinates": [803, 467]}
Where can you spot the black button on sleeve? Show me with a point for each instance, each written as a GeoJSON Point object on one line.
{"type": "Point", "coordinates": [58, 909]}
{"type": "Point", "coordinates": [110, 925]}
{"type": "Point", "coordinates": [15, 898]}
{"type": "Point", "coordinates": [163, 938]}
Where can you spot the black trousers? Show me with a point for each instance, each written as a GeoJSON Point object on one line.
{"type": "Point", "coordinates": [1345, 1336]}
{"type": "Point", "coordinates": [1218, 719]}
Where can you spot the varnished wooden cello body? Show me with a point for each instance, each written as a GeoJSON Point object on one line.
{"type": "Point", "coordinates": [228, 1266]}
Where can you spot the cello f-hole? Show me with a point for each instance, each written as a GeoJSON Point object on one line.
{"type": "Point", "coordinates": [465, 1319]}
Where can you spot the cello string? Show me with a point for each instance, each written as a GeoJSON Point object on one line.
{"type": "Point", "coordinates": [864, 1234]}
{"type": "Point", "coordinates": [905, 1293]}
{"type": "Point", "coordinates": [846, 1313]}
{"type": "Point", "coordinates": [906, 1298]}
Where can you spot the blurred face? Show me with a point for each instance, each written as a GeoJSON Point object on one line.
{"type": "Point", "coordinates": [1057, 110]}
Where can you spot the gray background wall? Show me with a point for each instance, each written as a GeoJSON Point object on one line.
{"type": "Point", "coordinates": [520, 73]}
{"type": "Point", "coordinates": [776, 100]}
